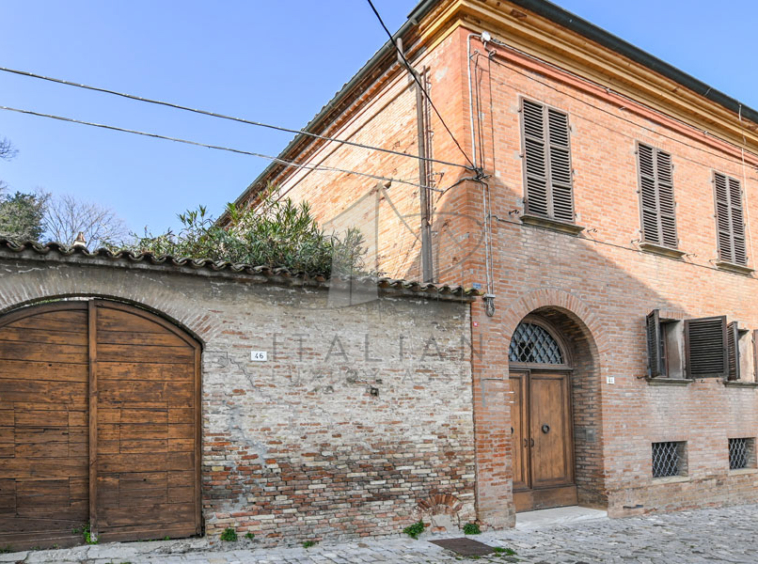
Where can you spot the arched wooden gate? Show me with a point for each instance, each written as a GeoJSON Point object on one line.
{"type": "Point", "coordinates": [99, 424]}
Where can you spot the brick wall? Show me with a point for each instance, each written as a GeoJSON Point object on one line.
{"type": "Point", "coordinates": [298, 448]}
{"type": "Point", "coordinates": [600, 281]}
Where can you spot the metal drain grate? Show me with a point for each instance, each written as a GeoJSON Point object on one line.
{"type": "Point", "coordinates": [465, 547]}
{"type": "Point", "coordinates": [667, 459]}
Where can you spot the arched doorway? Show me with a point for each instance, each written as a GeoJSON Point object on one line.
{"type": "Point", "coordinates": [541, 417]}
{"type": "Point", "coordinates": [99, 425]}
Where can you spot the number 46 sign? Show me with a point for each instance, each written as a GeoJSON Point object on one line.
{"type": "Point", "coordinates": [259, 356]}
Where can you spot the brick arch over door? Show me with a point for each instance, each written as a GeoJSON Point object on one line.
{"type": "Point", "coordinates": [99, 424]}
{"type": "Point", "coordinates": [167, 301]}
{"type": "Point", "coordinates": [580, 330]}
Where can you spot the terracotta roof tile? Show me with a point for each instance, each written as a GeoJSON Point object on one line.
{"type": "Point", "coordinates": [62, 252]}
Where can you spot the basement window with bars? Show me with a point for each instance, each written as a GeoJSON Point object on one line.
{"type": "Point", "coordinates": [548, 177]}
{"type": "Point", "coordinates": [730, 223]}
{"type": "Point", "coordinates": [669, 459]}
{"type": "Point", "coordinates": [741, 453]}
{"type": "Point", "coordinates": [656, 188]}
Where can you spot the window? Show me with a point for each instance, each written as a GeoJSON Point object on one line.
{"type": "Point", "coordinates": [657, 207]}
{"type": "Point", "coordinates": [547, 162]}
{"type": "Point", "coordinates": [741, 454]}
{"type": "Point", "coordinates": [668, 459]}
{"type": "Point", "coordinates": [706, 353]}
{"type": "Point", "coordinates": [729, 221]}
{"type": "Point", "coordinates": [693, 348]}
{"type": "Point", "coordinates": [532, 343]}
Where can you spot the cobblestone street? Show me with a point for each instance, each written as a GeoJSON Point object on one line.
{"type": "Point", "coordinates": [713, 535]}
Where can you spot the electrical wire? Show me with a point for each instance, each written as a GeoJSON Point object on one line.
{"type": "Point", "coordinates": [418, 81]}
{"type": "Point", "coordinates": [318, 168]}
{"type": "Point", "coordinates": [226, 117]}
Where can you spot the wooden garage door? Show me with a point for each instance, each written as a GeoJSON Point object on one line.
{"type": "Point", "coordinates": [123, 457]}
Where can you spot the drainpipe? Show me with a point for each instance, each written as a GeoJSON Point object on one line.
{"type": "Point", "coordinates": [427, 265]}
{"type": "Point", "coordinates": [489, 296]}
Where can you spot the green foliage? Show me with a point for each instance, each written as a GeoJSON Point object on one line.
{"type": "Point", "coordinates": [471, 529]}
{"type": "Point", "coordinates": [22, 216]}
{"type": "Point", "coordinates": [309, 544]}
{"type": "Point", "coordinates": [86, 533]}
{"type": "Point", "coordinates": [229, 534]}
{"type": "Point", "coordinates": [249, 536]}
{"type": "Point", "coordinates": [414, 530]}
{"type": "Point", "coordinates": [285, 235]}
{"type": "Point", "coordinates": [504, 551]}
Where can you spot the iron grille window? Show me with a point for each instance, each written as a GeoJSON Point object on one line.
{"type": "Point", "coordinates": [668, 459]}
{"type": "Point", "coordinates": [740, 453]}
{"type": "Point", "coordinates": [532, 343]}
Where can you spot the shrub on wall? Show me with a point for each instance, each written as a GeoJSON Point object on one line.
{"type": "Point", "coordinates": [284, 235]}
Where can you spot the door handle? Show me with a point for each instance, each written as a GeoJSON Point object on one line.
{"type": "Point", "coordinates": [526, 443]}
{"type": "Point", "coordinates": [532, 442]}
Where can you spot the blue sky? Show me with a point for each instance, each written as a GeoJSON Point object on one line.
{"type": "Point", "coordinates": [277, 62]}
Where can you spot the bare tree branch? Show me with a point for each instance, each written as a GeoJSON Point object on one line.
{"type": "Point", "coordinates": [7, 150]}
{"type": "Point", "coordinates": [66, 217]}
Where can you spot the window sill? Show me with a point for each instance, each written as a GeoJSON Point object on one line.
{"type": "Point", "coordinates": [736, 268]}
{"type": "Point", "coordinates": [671, 480]}
{"type": "Point", "coordinates": [661, 250]}
{"type": "Point", "coordinates": [659, 381]}
{"type": "Point", "coordinates": [552, 224]}
{"type": "Point", "coordinates": [740, 384]}
{"type": "Point", "coordinates": [743, 471]}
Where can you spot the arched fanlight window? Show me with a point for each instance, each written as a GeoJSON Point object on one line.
{"type": "Point", "coordinates": [532, 343]}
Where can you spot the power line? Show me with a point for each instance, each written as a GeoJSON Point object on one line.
{"type": "Point", "coordinates": [421, 86]}
{"type": "Point", "coordinates": [227, 117]}
{"type": "Point", "coordinates": [317, 168]}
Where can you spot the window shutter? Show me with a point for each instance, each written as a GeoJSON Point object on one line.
{"type": "Point", "coordinates": [729, 219]}
{"type": "Point", "coordinates": [547, 156]}
{"type": "Point", "coordinates": [658, 209]}
{"type": "Point", "coordinates": [535, 159]}
{"type": "Point", "coordinates": [733, 349]}
{"type": "Point", "coordinates": [654, 345]}
{"type": "Point", "coordinates": [560, 166]}
{"type": "Point", "coordinates": [706, 347]}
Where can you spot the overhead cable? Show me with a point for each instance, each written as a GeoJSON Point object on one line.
{"type": "Point", "coordinates": [219, 148]}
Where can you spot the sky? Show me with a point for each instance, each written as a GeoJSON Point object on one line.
{"type": "Point", "coordinates": [276, 62]}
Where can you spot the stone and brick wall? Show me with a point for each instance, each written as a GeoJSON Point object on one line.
{"type": "Point", "coordinates": [359, 423]}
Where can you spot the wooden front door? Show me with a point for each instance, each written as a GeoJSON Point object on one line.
{"type": "Point", "coordinates": [99, 425]}
{"type": "Point", "coordinates": [543, 450]}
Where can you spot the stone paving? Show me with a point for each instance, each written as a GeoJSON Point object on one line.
{"type": "Point", "coordinates": [691, 537]}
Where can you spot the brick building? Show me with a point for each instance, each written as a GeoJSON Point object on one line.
{"type": "Point", "coordinates": [603, 201]}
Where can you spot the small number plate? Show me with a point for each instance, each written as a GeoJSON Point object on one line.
{"type": "Point", "coordinates": [259, 356]}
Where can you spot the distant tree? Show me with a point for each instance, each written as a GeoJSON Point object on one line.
{"type": "Point", "coordinates": [66, 217]}
{"type": "Point", "coordinates": [22, 216]}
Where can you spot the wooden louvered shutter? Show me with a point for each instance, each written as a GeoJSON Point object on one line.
{"type": "Point", "coordinates": [729, 219]}
{"type": "Point", "coordinates": [559, 168]}
{"type": "Point", "coordinates": [706, 347]}
{"type": "Point", "coordinates": [654, 345]}
{"type": "Point", "coordinates": [547, 156]}
{"type": "Point", "coordinates": [733, 350]}
{"type": "Point", "coordinates": [657, 196]}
